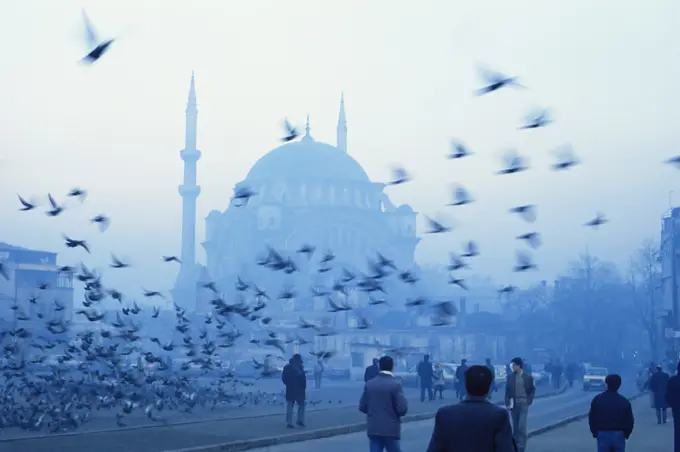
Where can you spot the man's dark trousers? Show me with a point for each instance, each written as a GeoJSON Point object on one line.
{"type": "Point", "coordinates": [430, 394]}
{"type": "Point", "coordinates": [611, 441]}
{"type": "Point", "coordinates": [383, 443]}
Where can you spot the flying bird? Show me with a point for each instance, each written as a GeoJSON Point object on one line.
{"type": "Point", "coordinates": [565, 159]}
{"type": "Point", "coordinates": [97, 46]}
{"type": "Point", "coordinates": [524, 262]}
{"type": "Point", "coordinates": [77, 193]}
{"type": "Point", "coordinates": [71, 243]}
{"type": "Point", "coordinates": [460, 197]}
{"type": "Point", "coordinates": [514, 163]}
{"type": "Point", "coordinates": [435, 227]}
{"type": "Point", "coordinates": [56, 208]}
{"type": "Point", "coordinates": [102, 222]}
{"type": "Point", "coordinates": [526, 211]}
{"type": "Point", "coordinates": [495, 81]}
{"type": "Point", "coordinates": [399, 176]}
{"type": "Point", "coordinates": [291, 132]}
{"type": "Point", "coordinates": [458, 150]}
{"type": "Point", "coordinates": [536, 120]}
{"type": "Point", "coordinates": [533, 239]}
{"type": "Point", "coordinates": [171, 259]}
{"type": "Point", "coordinates": [243, 195]}
{"type": "Point", "coordinates": [599, 219]}
{"type": "Point", "coordinates": [26, 206]}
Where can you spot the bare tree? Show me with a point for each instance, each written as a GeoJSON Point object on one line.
{"type": "Point", "coordinates": [644, 288]}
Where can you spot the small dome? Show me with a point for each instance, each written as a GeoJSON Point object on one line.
{"type": "Point", "coordinates": [307, 160]}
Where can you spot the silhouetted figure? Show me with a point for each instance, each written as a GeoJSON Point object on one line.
{"type": "Point", "coordinates": [673, 401]}
{"type": "Point", "coordinates": [460, 379]}
{"type": "Point", "coordinates": [384, 404]}
{"type": "Point", "coordinates": [658, 384]}
{"type": "Point", "coordinates": [425, 377]}
{"type": "Point", "coordinates": [318, 373]}
{"type": "Point", "coordinates": [570, 374]}
{"type": "Point", "coordinates": [474, 424]}
{"type": "Point", "coordinates": [295, 380]}
{"type": "Point", "coordinates": [439, 381]}
{"type": "Point", "coordinates": [372, 370]}
{"type": "Point", "coordinates": [611, 417]}
{"type": "Point", "coordinates": [556, 372]}
{"type": "Point", "coordinates": [519, 395]}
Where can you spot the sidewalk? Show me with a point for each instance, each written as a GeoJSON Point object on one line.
{"type": "Point", "coordinates": [647, 435]}
{"type": "Point", "coordinates": [174, 437]}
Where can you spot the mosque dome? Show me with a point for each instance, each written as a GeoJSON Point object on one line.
{"type": "Point", "coordinates": [305, 160]}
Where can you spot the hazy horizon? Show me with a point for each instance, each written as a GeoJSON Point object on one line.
{"type": "Point", "coordinates": [606, 71]}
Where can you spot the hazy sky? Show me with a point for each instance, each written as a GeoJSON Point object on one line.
{"type": "Point", "coordinates": [608, 70]}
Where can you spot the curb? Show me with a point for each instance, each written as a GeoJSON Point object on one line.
{"type": "Point", "coordinates": [243, 445]}
{"type": "Point", "coordinates": [569, 420]}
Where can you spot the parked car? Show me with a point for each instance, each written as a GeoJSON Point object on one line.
{"type": "Point", "coordinates": [594, 378]}
{"type": "Point", "coordinates": [407, 378]}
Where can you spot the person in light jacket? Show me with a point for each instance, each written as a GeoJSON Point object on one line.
{"type": "Point", "coordinates": [439, 381]}
{"type": "Point", "coordinates": [384, 404]}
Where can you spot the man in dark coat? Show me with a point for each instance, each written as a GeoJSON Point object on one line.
{"type": "Point", "coordinates": [611, 417]}
{"type": "Point", "coordinates": [460, 379]}
{"type": "Point", "coordinates": [658, 384]}
{"type": "Point", "coordinates": [519, 395]}
{"type": "Point", "coordinates": [371, 371]}
{"type": "Point", "coordinates": [425, 372]}
{"type": "Point", "coordinates": [384, 404]}
{"type": "Point", "coordinates": [474, 424]}
{"type": "Point", "coordinates": [570, 373]}
{"type": "Point", "coordinates": [673, 401]}
{"type": "Point", "coordinates": [295, 380]}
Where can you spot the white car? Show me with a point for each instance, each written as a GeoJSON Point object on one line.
{"type": "Point", "coordinates": [594, 378]}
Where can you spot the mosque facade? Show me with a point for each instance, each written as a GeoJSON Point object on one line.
{"type": "Point", "coordinates": [308, 192]}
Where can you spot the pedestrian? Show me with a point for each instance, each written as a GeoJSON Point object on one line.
{"type": "Point", "coordinates": [318, 373]}
{"type": "Point", "coordinates": [673, 401]}
{"type": "Point", "coordinates": [439, 381]}
{"type": "Point", "coordinates": [493, 376]}
{"type": "Point", "coordinates": [519, 395]}
{"type": "Point", "coordinates": [611, 417]}
{"type": "Point", "coordinates": [460, 379]}
{"type": "Point", "coordinates": [372, 370]}
{"type": "Point", "coordinates": [557, 375]}
{"type": "Point", "coordinates": [295, 380]}
{"type": "Point", "coordinates": [570, 374]}
{"type": "Point", "coordinates": [425, 378]}
{"type": "Point", "coordinates": [658, 385]}
{"type": "Point", "coordinates": [474, 424]}
{"type": "Point", "coordinates": [384, 404]}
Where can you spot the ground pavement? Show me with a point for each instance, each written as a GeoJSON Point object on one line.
{"type": "Point", "coordinates": [172, 437]}
{"type": "Point", "coordinates": [416, 435]}
{"type": "Point", "coordinates": [647, 435]}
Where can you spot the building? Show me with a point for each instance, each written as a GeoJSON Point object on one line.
{"type": "Point", "coordinates": [34, 275]}
{"type": "Point", "coordinates": [670, 253]}
{"type": "Point", "coordinates": [308, 192]}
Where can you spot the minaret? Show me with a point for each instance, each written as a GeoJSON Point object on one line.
{"type": "Point", "coordinates": [341, 142]}
{"type": "Point", "coordinates": [189, 191]}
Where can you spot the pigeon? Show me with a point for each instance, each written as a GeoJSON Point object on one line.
{"type": "Point", "coordinates": [524, 262]}
{"type": "Point", "coordinates": [435, 227]}
{"type": "Point", "coordinates": [514, 163]}
{"type": "Point", "coordinates": [26, 206]}
{"type": "Point", "coordinates": [291, 132]}
{"type": "Point", "coordinates": [77, 193]}
{"type": "Point", "coordinates": [242, 195]}
{"type": "Point", "coordinates": [533, 239]}
{"type": "Point", "coordinates": [526, 211]}
{"type": "Point", "coordinates": [460, 197]}
{"type": "Point", "coordinates": [97, 46]}
{"type": "Point", "coordinates": [71, 243]}
{"type": "Point", "coordinates": [399, 176]}
{"type": "Point", "coordinates": [171, 259]}
{"type": "Point", "coordinates": [102, 222]}
{"type": "Point", "coordinates": [599, 219]}
{"type": "Point", "coordinates": [458, 151]}
{"type": "Point", "coordinates": [536, 120]}
{"type": "Point", "coordinates": [565, 159]}
{"type": "Point", "coordinates": [56, 208]}
{"type": "Point", "coordinates": [495, 81]}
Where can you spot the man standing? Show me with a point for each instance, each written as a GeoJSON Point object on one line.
{"type": "Point", "coordinates": [384, 404]}
{"type": "Point", "coordinates": [425, 376]}
{"type": "Point", "coordinates": [295, 380]}
{"type": "Point", "coordinates": [460, 379]}
{"type": "Point", "coordinates": [371, 371]}
{"type": "Point", "coordinates": [673, 401]}
{"type": "Point", "coordinates": [611, 417]}
{"type": "Point", "coordinates": [570, 373]}
{"type": "Point", "coordinates": [557, 374]}
{"type": "Point", "coordinates": [519, 395]}
{"type": "Point", "coordinates": [658, 384]}
{"type": "Point", "coordinates": [318, 373]}
{"type": "Point", "coordinates": [474, 424]}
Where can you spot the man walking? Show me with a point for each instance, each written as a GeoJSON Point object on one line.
{"type": "Point", "coordinates": [371, 371]}
{"type": "Point", "coordinates": [384, 404]}
{"type": "Point", "coordinates": [658, 384]}
{"type": "Point", "coordinates": [611, 417]}
{"type": "Point", "coordinates": [474, 424]}
{"type": "Point", "coordinates": [425, 372]}
{"type": "Point", "coordinates": [519, 395]}
{"type": "Point", "coordinates": [673, 401]}
{"type": "Point", "coordinates": [295, 380]}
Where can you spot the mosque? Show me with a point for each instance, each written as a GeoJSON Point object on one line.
{"type": "Point", "coordinates": [308, 192]}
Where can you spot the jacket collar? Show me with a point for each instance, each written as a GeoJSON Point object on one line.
{"type": "Point", "coordinates": [476, 399]}
{"type": "Point", "coordinates": [386, 372]}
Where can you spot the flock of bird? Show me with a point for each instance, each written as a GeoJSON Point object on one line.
{"type": "Point", "coordinates": [56, 377]}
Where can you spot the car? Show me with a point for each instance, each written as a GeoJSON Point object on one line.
{"type": "Point", "coordinates": [407, 378]}
{"type": "Point", "coordinates": [594, 378]}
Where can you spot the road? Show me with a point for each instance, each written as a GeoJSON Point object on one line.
{"type": "Point", "coordinates": [416, 435]}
